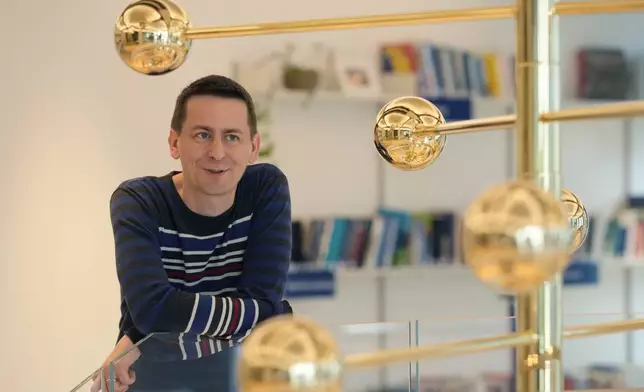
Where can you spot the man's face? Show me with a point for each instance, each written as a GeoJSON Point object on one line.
{"type": "Point", "coordinates": [215, 144]}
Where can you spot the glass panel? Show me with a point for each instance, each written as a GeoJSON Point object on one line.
{"type": "Point", "coordinates": [185, 363]}
{"type": "Point", "coordinates": [602, 361]}
{"type": "Point", "coordinates": [171, 363]}
{"type": "Point", "coordinates": [487, 371]}
{"type": "Point", "coordinates": [597, 362]}
{"type": "Point", "coordinates": [370, 337]}
{"type": "Point", "coordinates": [90, 384]}
{"type": "Point", "coordinates": [190, 363]}
{"type": "Point", "coordinates": [176, 363]}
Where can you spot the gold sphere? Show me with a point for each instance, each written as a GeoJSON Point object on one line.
{"type": "Point", "coordinates": [577, 218]}
{"type": "Point", "coordinates": [516, 236]}
{"type": "Point", "coordinates": [399, 135]}
{"type": "Point", "coordinates": [150, 36]}
{"type": "Point", "coordinates": [289, 353]}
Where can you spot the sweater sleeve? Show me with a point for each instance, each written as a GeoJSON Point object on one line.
{"type": "Point", "coordinates": [268, 253]}
{"type": "Point", "coordinates": [153, 303]}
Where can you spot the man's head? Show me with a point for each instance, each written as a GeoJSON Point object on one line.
{"type": "Point", "coordinates": [214, 134]}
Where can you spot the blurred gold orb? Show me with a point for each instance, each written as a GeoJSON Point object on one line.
{"type": "Point", "coordinates": [289, 353]}
{"type": "Point", "coordinates": [516, 236]}
{"type": "Point", "coordinates": [150, 36]}
{"type": "Point", "coordinates": [399, 138]}
{"type": "Point", "coordinates": [577, 218]}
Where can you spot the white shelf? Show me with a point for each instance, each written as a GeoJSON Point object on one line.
{"type": "Point", "coordinates": [623, 262]}
{"type": "Point", "coordinates": [401, 271]}
{"type": "Point", "coordinates": [408, 271]}
{"type": "Point", "coordinates": [335, 96]}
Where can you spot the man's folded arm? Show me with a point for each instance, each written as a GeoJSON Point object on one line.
{"type": "Point", "coordinates": [154, 304]}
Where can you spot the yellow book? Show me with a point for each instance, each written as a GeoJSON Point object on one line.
{"type": "Point", "coordinates": [492, 74]}
{"type": "Point", "coordinates": [400, 59]}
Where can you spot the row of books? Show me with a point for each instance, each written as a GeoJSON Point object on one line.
{"type": "Point", "coordinates": [446, 71]}
{"type": "Point", "coordinates": [604, 73]}
{"type": "Point", "coordinates": [624, 235]}
{"type": "Point", "coordinates": [592, 377]}
{"type": "Point", "coordinates": [389, 238]}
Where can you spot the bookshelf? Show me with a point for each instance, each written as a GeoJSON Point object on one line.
{"type": "Point", "coordinates": [383, 294]}
{"type": "Point", "coordinates": [383, 290]}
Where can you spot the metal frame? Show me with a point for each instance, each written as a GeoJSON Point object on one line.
{"type": "Point", "coordinates": [389, 20]}
{"type": "Point", "coordinates": [540, 331]}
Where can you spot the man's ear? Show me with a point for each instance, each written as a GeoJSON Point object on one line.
{"type": "Point", "coordinates": [173, 143]}
{"type": "Point", "coordinates": [256, 142]}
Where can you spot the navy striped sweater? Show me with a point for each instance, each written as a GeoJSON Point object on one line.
{"type": "Point", "coordinates": [191, 275]}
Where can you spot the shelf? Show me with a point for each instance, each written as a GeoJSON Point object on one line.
{"type": "Point", "coordinates": [335, 96]}
{"type": "Point", "coordinates": [343, 272]}
{"type": "Point", "coordinates": [493, 103]}
{"type": "Point", "coordinates": [622, 262]}
{"type": "Point", "coordinates": [580, 273]}
{"type": "Point", "coordinates": [399, 272]}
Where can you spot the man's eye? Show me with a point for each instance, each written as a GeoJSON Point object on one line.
{"type": "Point", "coordinates": [232, 138]}
{"type": "Point", "coordinates": [203, 136]}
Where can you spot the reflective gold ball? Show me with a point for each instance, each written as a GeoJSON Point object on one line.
{"type": "Point", "coordinates": [150, 36]}
{"type": "Point", "coordinates": [403, 133]}
{"type": "Point", "coordinates": [577, 218]}
{"type": "Point", "coordinates": [289, 353]}
{"type": "Point", "coordinates": [516, 236]}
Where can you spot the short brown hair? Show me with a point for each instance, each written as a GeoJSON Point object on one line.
{"type": "Point", "coordinates": [216, 86]}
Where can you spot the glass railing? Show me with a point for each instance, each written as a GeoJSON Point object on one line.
{"type": "Point", "coordinates": [463, 372]}
{"type": "Point", "coordinates": [596, 362]}
{"type": "Point", "coordinates": [190, 363]}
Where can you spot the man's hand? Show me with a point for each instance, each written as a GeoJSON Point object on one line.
{"type": "Point", "coordinates": [123, 376]}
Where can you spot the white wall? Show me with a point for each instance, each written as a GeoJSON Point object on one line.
{"type": "Point", "coordinates": [76, 122]}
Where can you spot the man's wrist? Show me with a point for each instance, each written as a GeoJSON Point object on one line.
{"type": "Point", "coordinates": [286, 307]}
{"type": "Point", "coordinates": [134, 335]}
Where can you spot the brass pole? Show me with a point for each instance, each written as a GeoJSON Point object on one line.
{"type": "Point", "coordinates": [598, 7]}
{"type": "Point", "coordinates": [300, 26]}
{"type": "Point", "coordinates": [537, 159]}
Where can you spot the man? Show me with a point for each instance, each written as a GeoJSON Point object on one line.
{"type": "Point", "coordinates": [201, 252]}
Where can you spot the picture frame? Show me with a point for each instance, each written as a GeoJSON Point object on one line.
{"type": "Point", "coordinates": [358, 75]}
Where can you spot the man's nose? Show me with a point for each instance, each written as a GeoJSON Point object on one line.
{"type": "Point", "coordinates": [217, 149]}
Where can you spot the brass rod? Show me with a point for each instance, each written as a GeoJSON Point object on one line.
{"type": "Point", "coordinates": [622, 109]}
{"type": "Point", "coordinates": [464, 347]}
{"type": "Point", "coordinates": [597, 7]}
{"type": "Point", "coordinates": [583, 331]}
{"type": "Point", "coordinates": [387, 20]}
{"type": "Point", "coordinates": [473, 346]}
{"type": "Point", "coordinates": [605, 111]}
{"type": "Point", "coordinates": [476, 125]}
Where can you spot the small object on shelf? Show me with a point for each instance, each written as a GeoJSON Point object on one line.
{"type": "Point", "coordinates": [302, 79]}
{"type": "Point", "coordinates": [263, 123]}
{"type": "Point", "coordinates": [603, 73]}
